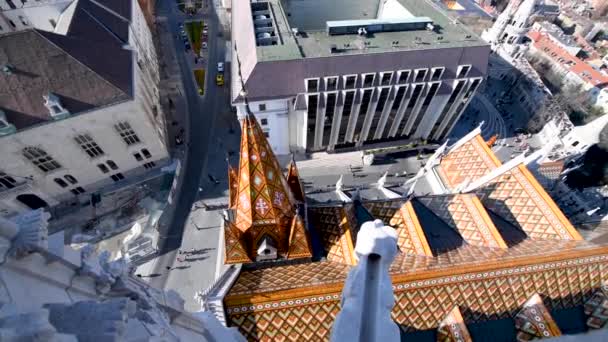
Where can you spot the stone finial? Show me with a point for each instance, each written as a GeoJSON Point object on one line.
{"type": "Point", "coordinates": [382, 180]}
{"type": "Point", "coordinates": [367, 298]}
{"type": "Point", "coordinates": [340, 184]}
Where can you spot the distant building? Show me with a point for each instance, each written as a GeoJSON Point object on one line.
{"type": "Point", "coordinates": [16, 15]}
{"type": "Point", "coordinates": [325, 75]}
{"type": "Point", "coordinates": [574, 70]}
{"type": "Point", "coordinates": [79, 109]}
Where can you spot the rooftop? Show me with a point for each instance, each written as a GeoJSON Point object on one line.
{"type": "Point", "coordinates": [395, 25]}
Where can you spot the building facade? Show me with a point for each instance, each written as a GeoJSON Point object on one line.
{"type": "Point", "coordinates": [321, 79]}
{"type": "Point", "coordinates": [88, 122]}
{"type": "Point", "coordinates": [16, 15]}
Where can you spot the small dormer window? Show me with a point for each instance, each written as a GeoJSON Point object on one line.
{"type": "Point", "coordinates": [53, 104]}
{"type": "Point", "coordinates": [266, 249]}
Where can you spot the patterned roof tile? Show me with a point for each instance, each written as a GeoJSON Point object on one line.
{"type": "Point", "coordinates": [336, 226]}
{"type": "Point", "coordinates": [534, 321]}
{"type": "Point", "coordinates": [453, 329]}
{"type": "Point", "coordinates": [468, 162]}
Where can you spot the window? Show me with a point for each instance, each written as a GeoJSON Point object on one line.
{"type": "Point", "coordinates": [463, 70]}
{"type": "Point", "coordinates": [574, 144]}
{"type": "Point", "coordinates": [386, 78]}
{"type": "Point", "coordinates": [88, 145]}
{"type": "Point", "coordinates": [264, 122]}
{"type": "Point", "coordinates": [61, 182]}
{"type": "Point", "coordinates": [420, 75]}
{"type": "Point", "coordinates": [331, 83]}
{"type": "Point", "coordinates": [6, 181]}
{"type": "Point", "coordinates": [368, 80]}
{"type": "Point", "coordinates": [112, 165]}
{"type": "Point", "coordinates": [77, 191]}
{"type": "Point", "coordinates": [149, 165]}
{"type": "Point", "coordinates": [53, 23]}
{"type": "Point", "coordinates": [117, 177]}
{"type": "Point", "coordinates": [403, 76]}
{"type": "Point", "coordinates": [126, 132]}
{"type": "Point", "coordinates": [262, 107]}
{"type": "Point", "coordinates": [137, 156]}
{"type": "Point", "coordinates": [350, 81]}
{"type": "Point", "coordinates": [23, 21]}
{"type": "Point", "coordinates": [146, 153]}
{"type": "Point", "coordinates": [436, 73]}
{"type": "Point", "coordinates": [103, 168]}
{"type": "Point", "coordinates": [12, 23]}
{"type": "Point", "coordinates": [312, 85]}
{"type": "Point", "coordinates": [267, 134]}
{"type": "Point", "coordinates": [41, 159]}
{"type": "Point", "coordinates": [71, 179]}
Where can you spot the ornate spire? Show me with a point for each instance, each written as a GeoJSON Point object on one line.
{"type": "Point", "coordinates": [233, 179]}
{"type": "Point", "coordinates": [263, 195]}
{"type": "Point", "coordinates": [294, 182]}
{"type": "Point", "coordinates": [299, 246]}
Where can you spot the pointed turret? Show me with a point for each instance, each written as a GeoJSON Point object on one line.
{"type": "Point", "coordinates": [263, 195]}
{"type": "Point", "coordinates": [236, 252]}
{"type": "Point", "coordinates": [299, 246]}
{"type": "Point", "coordinates": [233, 179]}
{"type": "Point", "coordinates": [294, 182]}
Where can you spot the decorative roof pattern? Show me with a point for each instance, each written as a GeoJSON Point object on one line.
{"type": "Point", "coordinates": [468, 162]}
{"type": "Point", "coordinates": [263, 197]}
{"type": "Point", "coordinates": [597, 309]}
{"type": "Point", "coordinates": [464, 213]}
{"type": "Point", "coordinates": [548, 173]}
{"type": "Point", "coordinates": [534, 321]}
{"type": "Point", "coordinates": [518, 198]}
{"type": "Point", "coordinates": [422, 302]}
{"type": "Point", "coordinates": [453, 329]}
{"type": "Point", "coordinates": [336, 227]}
{"type": "Point", "coordinates": [233, 184]}
{"type": "Point", "coordinates": [299, 245]}
{"type": "Point", "coordinates": [235, 251]}
{"type": "Point", "coordinates": [262, 280]}
{"type": "Point", "coordinates": [402, 217]}
{"type": "Point", "coordinates": [293, 180]}
{"type": "Point", "coordinates": [303, 323]}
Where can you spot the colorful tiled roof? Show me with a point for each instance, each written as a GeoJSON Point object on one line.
{"type": "Point", "coordinates": [233, 179]}
{"type": "Point", "coordinates": [263, 197]}
{"type": "Point", "coordinates": [299, 244]}
{"type": "Point", "coordinates": [467, 162]}
{"type": "Point", "coordinates": [294, 182]}
{"type": "Point", "coordinates": [453, 329]}
{"type": "Point", "coordinates": [533, 321]}
{"type": "Point", "coordinates": [517, 197]}
{"type": "Point", "coordinates": [401, 216]}
{"type": "Point", "coordinates": [465, 214]}
{"type": "Point", "coordinates": [337, 227]}
{"type": "Point", "coordinates": [235, 249]}
{"type": "Point", "coordinates": [596, 308]}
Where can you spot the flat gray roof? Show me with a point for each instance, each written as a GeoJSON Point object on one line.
{"type": "Point", "coordinates": [310, 17]}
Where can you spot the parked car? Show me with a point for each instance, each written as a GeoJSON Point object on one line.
{"type": "Point", "coordinates": [219, 79]}
{"type": "Point", "coordinates": [205, 32]}
{"type": "Point", "coordinates": [187, 46]}
{"type": "Point", "coordinates": [204, 45]}
{"type": "Point", "coordinates": [220, 67]}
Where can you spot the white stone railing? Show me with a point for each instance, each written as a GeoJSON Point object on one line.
{"type": "Point", "coordinates": [212, 298]}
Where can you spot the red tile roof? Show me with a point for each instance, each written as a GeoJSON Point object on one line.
{"type": "Point", "coordinates": [574, 64]}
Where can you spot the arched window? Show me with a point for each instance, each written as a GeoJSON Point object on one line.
{"type": "Point", "coordinates": [41, 159]}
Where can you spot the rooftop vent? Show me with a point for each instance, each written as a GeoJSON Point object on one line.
{"type": "Point", "coordinates": [430, 27]}
{"type": "Point", "coordinates": [7, 69]}
{"type": "Point", "coordinates": [340, 27]}
{"type": "Point", "coordinates": [295, 30]}
{"type": "Point", "coordinates": [5, 127]}
{"type": "Point", "coordinates": [362, 31]}
{"type": "Point", "coordinates": [56, 109]}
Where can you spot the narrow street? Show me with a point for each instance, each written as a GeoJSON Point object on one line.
{"type": "Point", "coordinates": [202, 116]}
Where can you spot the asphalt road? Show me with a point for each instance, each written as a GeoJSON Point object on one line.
{"type": "Point", "coordinates": [201, 116]}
